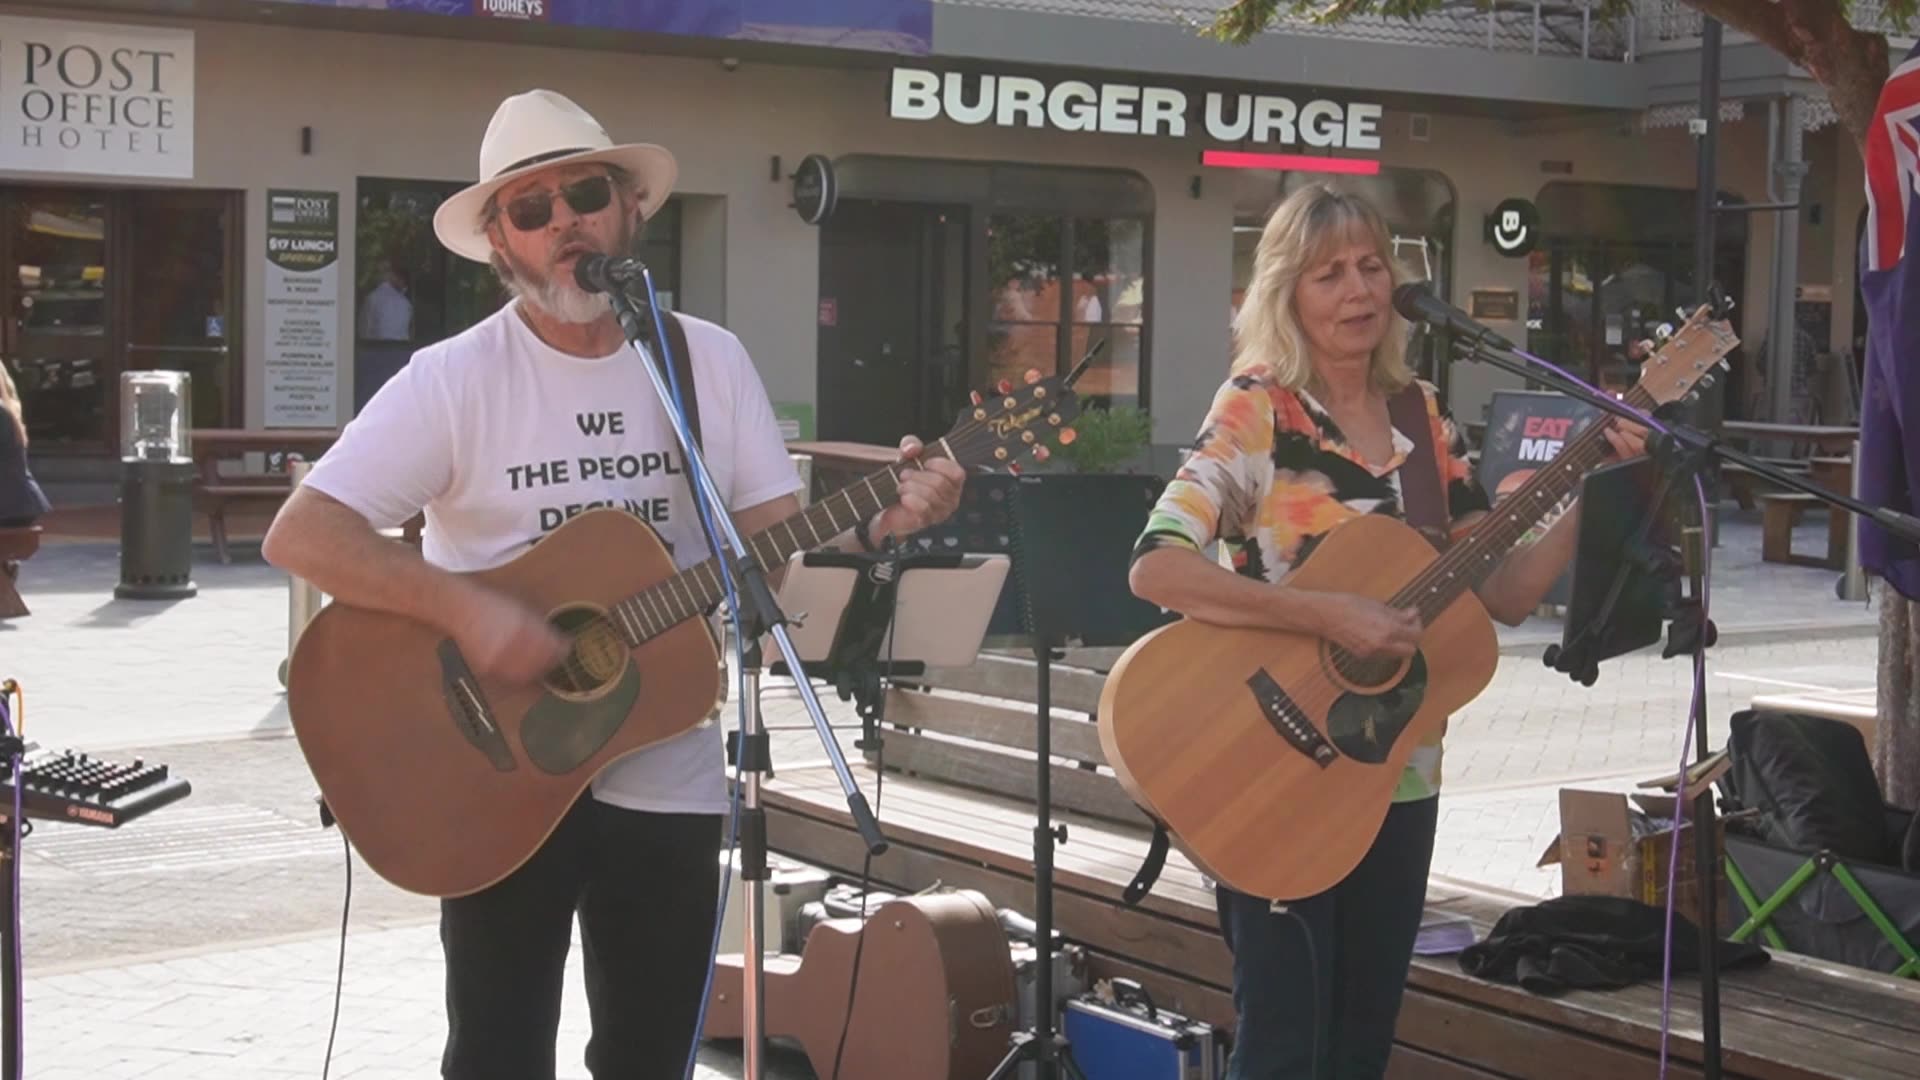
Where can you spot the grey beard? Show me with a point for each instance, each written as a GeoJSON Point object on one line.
{"type": "Point", "coordinates": [562, 300]}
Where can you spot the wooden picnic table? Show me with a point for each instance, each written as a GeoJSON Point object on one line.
{"type": "Point", "coordinates": [213, 491]}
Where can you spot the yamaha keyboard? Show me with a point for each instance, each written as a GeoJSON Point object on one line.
{"type": "Point", "coordinates": [68, 786]}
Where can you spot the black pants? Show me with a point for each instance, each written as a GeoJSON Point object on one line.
{"type": "Point", "coordinates": [644, 886]}
{"type": "Point", "coordinates": [1342, 998]}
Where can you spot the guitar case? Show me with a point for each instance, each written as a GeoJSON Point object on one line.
{"type": "Point", "coordinates": [935, 997]}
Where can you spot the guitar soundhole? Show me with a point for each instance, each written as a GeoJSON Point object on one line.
{"type": "Point", "coordinates": [1362, 673]}
{"type": "Point", "coordinates": [598, 655]}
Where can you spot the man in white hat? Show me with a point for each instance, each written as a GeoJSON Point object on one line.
{"type": "Point", "coordinates": [501, 434]}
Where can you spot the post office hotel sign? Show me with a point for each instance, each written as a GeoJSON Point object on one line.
{"type": "Point", "coordinates": [96, 98]}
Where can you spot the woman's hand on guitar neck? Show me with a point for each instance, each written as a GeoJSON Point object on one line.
{"type": "Point", "coordinates": [1368, 628]}
{"type": "Point", "coordinates": [1628, 441]}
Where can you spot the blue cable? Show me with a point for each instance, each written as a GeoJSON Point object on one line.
{"type": "Point", "coordinates": [740, 693]}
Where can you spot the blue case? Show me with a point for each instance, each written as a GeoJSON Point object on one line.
{"type": "Point", "coordinates": [1130, 1042]}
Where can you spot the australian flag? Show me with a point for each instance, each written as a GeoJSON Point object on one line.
{"type": "Point", "coordinates": [1890, 284]}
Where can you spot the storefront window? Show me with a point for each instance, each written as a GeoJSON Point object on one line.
{"type": "Point", "coordinates": [942, 277]}
{"type": "Point", "coordinates": [1615, 262]}
{"type": "Point", "coordinates": [96, 282]}
{"type": "Point", "coordinates": [412, 291]}
{"type": "Point", "coordinates": [1046, 321]}
{"type": "Point", "coordinates": [1418, 205]}
{"type": "Point", "coordinates": [57, 317]}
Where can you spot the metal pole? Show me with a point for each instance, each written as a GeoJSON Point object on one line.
{"type": "Point", "coordinates": [1706, 129]}
{"type": "Point", "coordinates": [1706, 856]}
{"type": "Point", "coordinates": [1791, 169]}
{"type": "Point", "coordinates": [1853, 585]}
{"type": "Point", "coordinates": [753, 871]}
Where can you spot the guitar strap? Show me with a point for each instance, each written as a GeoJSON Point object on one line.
{"type": "Point", "coordinates": [1420, 487]}
{"type": "Point", "coordinates": [683, 375]}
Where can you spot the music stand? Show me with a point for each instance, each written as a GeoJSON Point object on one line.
{"type": "Point", "coordinates": [1072, 539]}
{"type": "Point", "coordinates": [847, 610]}
{"type": "Point", "coordinates": [868, 617]}
{"type": "Point", "coordinates": [1625, 570]}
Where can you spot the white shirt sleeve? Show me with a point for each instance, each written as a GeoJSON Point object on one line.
{"type": "Point", "coordinates": [396, 454]}
{"type": "Point", "coordinates": [763, 469]}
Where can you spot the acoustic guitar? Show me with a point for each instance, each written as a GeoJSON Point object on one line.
{"type": "Point", "coordinates": [446, 781]}
{"type": "Point", "coordinates": [1272, 757]}
{"type": "Point", "coordinates": [934, 999]}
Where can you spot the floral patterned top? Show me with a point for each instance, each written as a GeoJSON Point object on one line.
{"type": "Point", "coordinates": [1270, 474]}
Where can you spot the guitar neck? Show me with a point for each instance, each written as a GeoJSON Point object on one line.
{"type": "Point", "coordinates": [1472, 560]}
{"type": "Point", "coordinates": [655, 610]}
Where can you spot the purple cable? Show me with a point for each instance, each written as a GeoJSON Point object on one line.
{"type": "Point", "coordinates": [1686, 742]}
{"type": "Point", "coordinates": [14, 1007]}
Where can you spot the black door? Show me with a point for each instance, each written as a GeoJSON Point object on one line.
{"type": "Point", "coordinates": [892, 359]}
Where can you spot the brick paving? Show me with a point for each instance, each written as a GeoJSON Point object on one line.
{"type": "Point", "coordinates": [201, 941]}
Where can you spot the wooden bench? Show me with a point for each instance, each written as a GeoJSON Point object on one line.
{"type": "Point", "coordinates": [18, 543]}
{"type": "Point", "coordinates": [955, 803]}
{"type": "Point", "coordinates": [1780, 511]}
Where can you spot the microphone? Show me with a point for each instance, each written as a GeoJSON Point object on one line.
{"type": "Point", "coordinates": [1417, 302]}
{"type": "Point", "coordinates": [597, 273]}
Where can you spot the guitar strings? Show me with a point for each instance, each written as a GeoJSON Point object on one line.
{"type": "Point", "coordinates": [575, 669]}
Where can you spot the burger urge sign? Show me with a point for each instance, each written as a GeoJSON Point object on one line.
{"type": "Point", "coordinates": [95, 98]}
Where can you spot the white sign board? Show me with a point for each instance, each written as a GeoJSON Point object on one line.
{"type": "Point", "coordinates": [1130, 109]}
{"type": "Point", "coordinates": [96, 98]}
{"type": "Point", "coordinates": [303, 308]}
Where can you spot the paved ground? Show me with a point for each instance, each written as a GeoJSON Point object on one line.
{"type": "Point", "coordinates": [202, 941]}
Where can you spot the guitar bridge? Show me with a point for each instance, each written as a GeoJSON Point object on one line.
{"type": "Point", "coordinates": [1289, 721]}
{"type": "Point", "coordinates": [469, 709]}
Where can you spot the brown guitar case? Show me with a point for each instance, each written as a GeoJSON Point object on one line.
{"type": "Point", "coordinates": [935, 998]}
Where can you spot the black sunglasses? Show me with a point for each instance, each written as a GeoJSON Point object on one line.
{"type": "Point", "coordinates": [535, 209]}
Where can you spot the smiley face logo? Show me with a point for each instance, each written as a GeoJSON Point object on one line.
{"type": "Point", "coordinates": [1513, 227]}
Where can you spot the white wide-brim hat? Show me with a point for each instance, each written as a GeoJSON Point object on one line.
{"type": "Point", "coordinates": [538, 130]}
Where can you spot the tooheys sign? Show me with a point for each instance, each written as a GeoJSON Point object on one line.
{"type": "Point", "coordinates": [1131, 109]}
{"type": "Point", "coordinates": [95, 98]}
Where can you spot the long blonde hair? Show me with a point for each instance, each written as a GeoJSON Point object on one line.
{"type": "Point", "coordinates": [1266, 332]}
{"type": "Point", "coordinates": [10, 404]}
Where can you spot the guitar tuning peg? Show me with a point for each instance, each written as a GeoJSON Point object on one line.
{"type": "Point", "coordinates": [1033, 376]}
{"type": "Point", "coordinates": [1005, 386]}
{"type": "Point", "coordinates": [1066, 436]}
{"type": "Point", "coordinates": [1041, 453]}
{"type": "Point", "coordinates": [975, 395]}
{"type": "Point", "coordinates": [1013, 467]}
{"type": "Point", "coordinates": [1706, 381]}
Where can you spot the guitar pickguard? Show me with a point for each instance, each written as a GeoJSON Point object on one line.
{"type": "Point", "coordinates": [1365, 725]}
{"type": "Point", "coordinates": [561, 734]}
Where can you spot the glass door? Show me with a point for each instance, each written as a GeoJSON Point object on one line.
{"type": "Point", "coordinates": [179, 295]}
{"type": "Point", "coordinates": [55, 337]}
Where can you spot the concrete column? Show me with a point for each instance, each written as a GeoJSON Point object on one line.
{"type": "Point", "coordinates": [1789, 169]}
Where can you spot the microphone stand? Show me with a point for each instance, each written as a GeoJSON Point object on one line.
{"type": "Point", "coordinates": [758, 615]}
{"type": "Point", "coordinates": [1683, 451]}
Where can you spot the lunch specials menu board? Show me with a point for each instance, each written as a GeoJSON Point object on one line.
{"type": "Point", "coordinates": [303, 308]}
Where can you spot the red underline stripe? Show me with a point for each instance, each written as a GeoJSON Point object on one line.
{"type": "Point", "coordinates": [1235, 159]}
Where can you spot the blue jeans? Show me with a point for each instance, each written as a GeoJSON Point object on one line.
{"type": "Point", "coordinates": [1342, 998]}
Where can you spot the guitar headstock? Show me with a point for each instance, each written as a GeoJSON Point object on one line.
{"type": "Point", "coordinates": [1684, 363]}
{"type": "Point", "coordinates": [1015, 421]}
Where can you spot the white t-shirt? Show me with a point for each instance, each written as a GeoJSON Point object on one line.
{"type": "Point", "coordinates": [501, 438]}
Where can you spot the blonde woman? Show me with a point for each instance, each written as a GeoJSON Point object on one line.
{"type": "Point", "coordinates": [1301, 437]}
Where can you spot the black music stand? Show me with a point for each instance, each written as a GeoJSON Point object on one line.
{"type": "Point", "coordinates": [1072, 539]}
{"type": "Point", "coordinates": [1626, 570]}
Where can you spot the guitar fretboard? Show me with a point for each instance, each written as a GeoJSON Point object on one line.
{"type": "Point", "coordinates": [1468, 563]}
{"type": "Point", "coordinates": [655, 610]}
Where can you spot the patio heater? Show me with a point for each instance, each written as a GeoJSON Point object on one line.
{"type": "Point", "coordinates": [156, 486]}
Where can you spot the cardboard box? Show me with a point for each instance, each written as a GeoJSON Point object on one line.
{"type": "Point", "coordinates": [1606, 849]}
